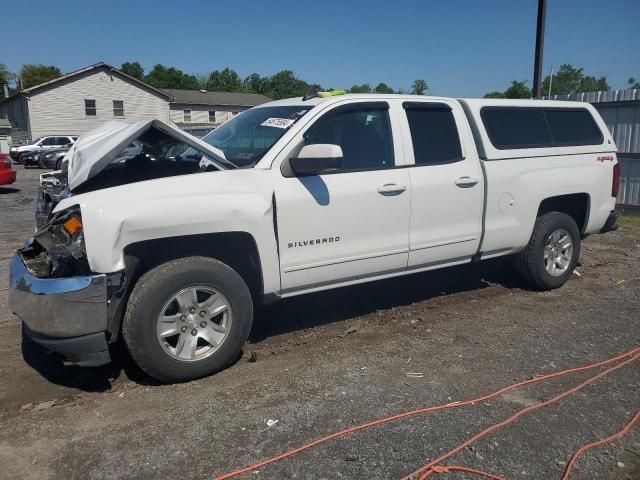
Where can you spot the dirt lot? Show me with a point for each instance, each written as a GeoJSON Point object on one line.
{"type": "Point", "coordinates": [336, 359]}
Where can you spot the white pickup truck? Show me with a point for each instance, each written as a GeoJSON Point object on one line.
{"type": "Point", "coordinates": [170, 249]}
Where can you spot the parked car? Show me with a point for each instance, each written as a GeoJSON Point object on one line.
{"type": "Point", "coordinates": [51, 158]}
{"type": "Point", "coordinates": [7, 174]}
{"type": "Point", "coordinates": [40, 144]}
{"type": "Point", "coordinates": [302, 195]}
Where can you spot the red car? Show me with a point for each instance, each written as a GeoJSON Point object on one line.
{"type": "Point", "coordinates": [7, 174]}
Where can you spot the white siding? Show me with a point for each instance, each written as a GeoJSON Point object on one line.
{"type": "Point", "coordinates": [200, 113]}
{"type": "Point", "coordinates": [60, 108]}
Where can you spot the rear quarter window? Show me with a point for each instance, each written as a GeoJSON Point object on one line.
{"type": "Point", "coordinates": [534, 127]}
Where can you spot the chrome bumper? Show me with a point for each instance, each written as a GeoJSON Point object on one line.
{"type": "Point", "coordinates": [65, 315]}
{"type": "Point", "coordinates": [58, 307]}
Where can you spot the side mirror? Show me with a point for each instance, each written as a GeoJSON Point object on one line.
{"type": "Point", "coordinates": [316, 160]}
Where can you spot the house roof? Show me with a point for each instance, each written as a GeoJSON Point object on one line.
{"type": "Point", "coordinates": [97, 66]}
{"type": "Point", "coordinates": [204, 97]}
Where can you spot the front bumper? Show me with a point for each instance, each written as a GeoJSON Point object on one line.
{"type": "Point", "coordinates": [611, 224]}
{"type": "Point", "coordinates": [65, 315]}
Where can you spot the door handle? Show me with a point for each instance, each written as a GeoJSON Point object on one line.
{"type": "Point", "coordinates": [466, 182]}
{"type": "Point", "coordinates": [391, 189]}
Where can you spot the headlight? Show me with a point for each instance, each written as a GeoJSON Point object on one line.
{"type": "Point", "coordinates": [48, 155]}
{"type": "Point", "coordinates": [64, 231]}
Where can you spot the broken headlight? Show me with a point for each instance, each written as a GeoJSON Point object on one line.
{"type": "Point", "coordinates": [62, 238]}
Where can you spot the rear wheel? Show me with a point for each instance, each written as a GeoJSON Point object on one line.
{"type": "Point", "coordinates": [552, 252]}
{"type": "Point", "coordinates": [187, 318]}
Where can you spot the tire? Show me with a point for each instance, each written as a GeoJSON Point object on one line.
{"type": "Point", "coordinates": [156, 294]}
{"type": "Point", "coordinates": [536, 270]}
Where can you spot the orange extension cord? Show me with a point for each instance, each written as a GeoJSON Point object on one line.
{"type": "Point", "coordinates": [588, 446]}
{"type": "Point", "coordinates": [635, 354]}
{"type": "Point", "coordinates": [426, 470]}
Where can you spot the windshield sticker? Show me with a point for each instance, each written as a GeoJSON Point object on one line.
{"type": "Point", "coordinates": [278, 122]}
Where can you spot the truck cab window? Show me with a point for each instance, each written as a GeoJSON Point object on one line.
{"type": "Point", "coordinates": [364, 134]}
{"type": "Point", "coordinates": [434, 134]}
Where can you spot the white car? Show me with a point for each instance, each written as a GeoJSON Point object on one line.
{"type": "Point", "coordinates": [297, 196]}
{"type": "Point", "coordinates": [40, 144]}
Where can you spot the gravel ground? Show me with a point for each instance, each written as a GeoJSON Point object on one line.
{"type": "Point", "coordinates": [335, 359]}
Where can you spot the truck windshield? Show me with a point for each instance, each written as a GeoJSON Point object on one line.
{"type": "Point", "coordinates": [247, 137]}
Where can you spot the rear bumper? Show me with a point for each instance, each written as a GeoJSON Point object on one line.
{"type": "Point", "coordinates": [66, 315]}
{"type": "Point", "coordinates": [611, 224]}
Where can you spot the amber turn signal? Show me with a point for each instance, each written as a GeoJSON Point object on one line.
{"type": "Point", "coordinates": [72, 225]}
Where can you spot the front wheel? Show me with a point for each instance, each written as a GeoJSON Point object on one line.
{"type": "Point", "coordinates": [187, 318]}
{"type": "Point", "coordinates": [552, 253]}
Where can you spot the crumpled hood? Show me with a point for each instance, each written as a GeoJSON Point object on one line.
{"type": "Point", "coordinates": [96, 149]}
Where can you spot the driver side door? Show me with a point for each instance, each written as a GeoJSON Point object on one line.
{"type": "Point", "coordinates": [352, 223]}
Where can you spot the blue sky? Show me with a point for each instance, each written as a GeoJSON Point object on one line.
{"type": "Point", "coordinates": [462, 48]}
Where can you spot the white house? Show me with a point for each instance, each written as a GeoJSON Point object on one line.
{"type": "Point", "coordinates": [81, 100]}
{"type": "Point", "coordinates": [199, 111]}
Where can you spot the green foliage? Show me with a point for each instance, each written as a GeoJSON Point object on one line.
{"type": "Point", "coordinates": [632, 83]}
{"type": "Point", "coordinates": [518, 90]}
{"type": "Point", "coordinates": [133, 69]}
{"type": "Point", "coordinates": [32, 74]}
{"type": "Point", "coordinates": [383, 88]}
{"type": "Point", "coordinates": [364, 88]}
{"type": "Point", "coordinates": [494, 94]}
{"type": "Point", "coordinates": [255, 83]}
{"type": "Point", "coordinates": [170, 77]}
{"type": "Point", "coordinates": [226, 80]}
{"type": "Point", "coordinates": [569, 79]}
{"type": "Point", "coordinates": [284, 84]}
{"type": "Point", "coordinates": [419, 87]}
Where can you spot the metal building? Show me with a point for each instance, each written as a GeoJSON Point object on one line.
{"type": "Point", "coordinates": [620, 110]}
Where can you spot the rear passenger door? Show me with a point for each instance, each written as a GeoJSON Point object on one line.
{"type": "Point", "coordinates": [446, 184]}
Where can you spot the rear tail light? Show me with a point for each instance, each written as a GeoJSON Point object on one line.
{"type": "Point", "coordinates": [615, 184]}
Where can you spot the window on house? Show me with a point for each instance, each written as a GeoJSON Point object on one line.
{"type": "Point", "coordinates": [187, 115]}
{"type": "Point", "coordinates": [433, 133]}
{"type": "Point", "coordinates": [118, 108]}
{"type": "Point", "coordinates": [212, 116]}
{"type": "Point", "coordinates": [90, 108]}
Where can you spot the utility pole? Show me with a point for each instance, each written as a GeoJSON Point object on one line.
{"type": "Point", "coordinates": [537, 65]}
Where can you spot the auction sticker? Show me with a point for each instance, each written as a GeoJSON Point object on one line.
{"type": "Point", "coordinates": [278, 122]}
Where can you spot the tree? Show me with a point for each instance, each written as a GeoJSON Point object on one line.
{"type": "Point", "coordinates": [383, 88]}
{"type": "Point", "coordinates": [163, 77]}
{"type": "Point", "coordinates": [364, 88]}
{"type": "Point", "coordinates": [632, 83]}
{"type": "Point", "coordinates": [284, 84]}
{"type": "Point", "coordinates": [494, 94]}
{"type": "Point", "coordinates": [133, 69]}
{"type": "Point", "coordinates": [518, 90]}
{"type": "Point", "coordinates": [419, 87]}
{"type": "Point", "coordinates": [255, 83]}
{"type": "Point", "coordinates": [226, 80]}
{"type": "Point", "coordinates": [569, 79]}
{"type": "Point", "coordinates": [32, 74]}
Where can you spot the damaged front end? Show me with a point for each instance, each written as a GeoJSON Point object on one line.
{"type": "Point", "coordinates": [58, 248]}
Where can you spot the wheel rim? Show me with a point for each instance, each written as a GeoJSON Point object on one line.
{"type": "Point", "coordinates": [558, 252]}
{"type": "Point", "coordinates": [194, 323]}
